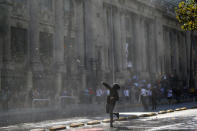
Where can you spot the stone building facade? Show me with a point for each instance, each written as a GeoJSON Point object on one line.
{"type": "Point", "coordinates": [75, 44]}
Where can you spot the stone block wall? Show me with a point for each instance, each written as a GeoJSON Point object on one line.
{"type": "Point", "coordinates": [71, 45]}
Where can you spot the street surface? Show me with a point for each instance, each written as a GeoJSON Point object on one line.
{"type": "Point", "coordinates": [178, 120]}
{"type": "Point", "coordinates": [181, 120]}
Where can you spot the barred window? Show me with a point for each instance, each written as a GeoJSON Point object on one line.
{"type": "Point", "coordinates": [18, 44]}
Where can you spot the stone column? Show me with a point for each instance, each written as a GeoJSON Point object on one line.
{"type": "Point", "coordinates": [59, 32]}
{"type": "Point", "coordinates": [34, 64]}
{"type": "Point", "coordinates": [89, 32]}
{"type": "Point", "coordinates": [34, 35]}
{"type": "Point", "coordinates": [79, 14]}
{"type": "Point", "coordinates": [117, 39]}
{"type": "Point", "coordinates": [124, 59]}
{"type": "Point", "coordinates": [1, 56]}
{"type": "Point", "coordinates": [137, 31]}
{"type": "Point", "coordinates": [188, 41]}
{"type": "Point", "coordinates": [89, 41]}
{"type": "Point", "coordinates": [153, 49]}
{"type": "Point", "coordinates": [5, 55]}
{"type": "Point", "coordinates": [159, 42]}
{"type": "Point", "coordinates": [58, 86]}
{"type": "Point", "coordinates": [29, 86]}
{"type": "Point", "coordinates": [184, 54]}
{"type": "Point", "coordinates": [143, 45]}
{"type": "Point", "coordinates": [140, 44]}
{"type": "Point", "coordinates": [59, 44]}
{"type": "Point", "coordinates": [79, 43]}
{"type": "Point", "coordinates": [5, 31]}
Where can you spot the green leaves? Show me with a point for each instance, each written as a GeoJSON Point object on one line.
{"type": "Point", "coordinates": [186, 13]}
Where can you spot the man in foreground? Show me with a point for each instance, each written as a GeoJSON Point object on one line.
{"type": "Point", "coordinates": [111, 100]}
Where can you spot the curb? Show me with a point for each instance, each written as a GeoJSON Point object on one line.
{"type": "Point", "coordinates": [184, 108]}
{"type": "Point", "coordinates": [170, 111]}
{"type": "Point", "coordinates": [194, 107]}
{"type": "Point", "coordinates": [133, 117]}
{"type": "Point", "coordinates": [144, 115]}
{"type": "Point", "coordinates": [106, 121]}
{"type": "Point", "coordinates": [37, 130]}
{"type": "Point", "coordinates": [153, 114]}
{"type": "Point", "coordinates": [55, 128]}
{"type": "Point", "coordinates": [122, 119]}
{"type": "Point", "coordinates": [162, 112]}
{"type": "Point", "coordinates": [77, 125]}
{"type": "Point", "coordinates": [93, 122]}
{"type": "Point", "coordinates": [178, 109]}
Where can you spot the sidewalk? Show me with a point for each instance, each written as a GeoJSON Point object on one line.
{"type": "Point", "coordinates": [34, 115]}
{"type": "Point", "coordinates": [40, 114]}
{"type": "Point", "coordinates": [163, 107]}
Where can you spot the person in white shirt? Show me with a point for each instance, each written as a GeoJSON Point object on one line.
{"type": "Point", "coordinates": [126, 94]}
{"type": "Point", "coordinates": [99, 93]}
{"type": "Point", "coordinates": [144, 94]}
{"type": "Point", "coordinates": [107, 92]}
{"type": "Point", "coordinates": [169, 96]}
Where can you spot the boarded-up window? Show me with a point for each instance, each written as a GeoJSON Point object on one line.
{"type": "Point", "coordinates": [18, 44]}
{"type": "Point", "coordinates": [46, 46]}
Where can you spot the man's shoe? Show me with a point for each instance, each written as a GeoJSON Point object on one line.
{"type": "Point", "coordinates": [111, 125]}
{"type": "Point", "coordinates": [117, 114]}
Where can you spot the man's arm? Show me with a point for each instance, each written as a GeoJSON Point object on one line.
{"type": "Point", "coordinates": [106, 85]}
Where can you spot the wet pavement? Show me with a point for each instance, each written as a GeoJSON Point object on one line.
{"type": "Point", "coordinates": [178, 120]}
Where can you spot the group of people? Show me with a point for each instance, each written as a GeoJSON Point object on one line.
{"type": "Point", "coordinates": [98, 95]}
{"type": "Point", "coordinates": [167, 87]}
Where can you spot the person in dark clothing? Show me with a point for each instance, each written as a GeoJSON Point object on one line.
{"type": "Point", "coordinates": [111, 100]}
{"type": "Point", "coordinates": [5, 99]}
{"type": "Point", "coordinates": [195, 94]}
{"type": "Point", "coordinates": [91, 95]}
{"type": "Point", "coordinates": [30, 98]}
{"type": "Point", "coordinates": [144, 98]}
{"type": "Point", "coordinates": [154, 98]}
